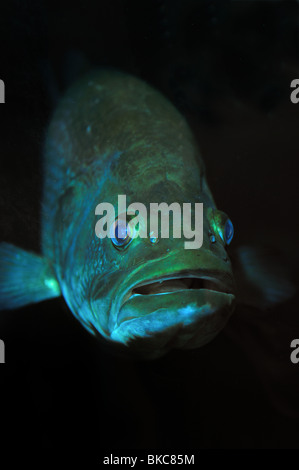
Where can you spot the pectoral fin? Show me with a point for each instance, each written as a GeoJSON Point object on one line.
{"type": "Point", "coordinates": [263, 278]}
{"type": "Point", "coordinates": [25, 278]}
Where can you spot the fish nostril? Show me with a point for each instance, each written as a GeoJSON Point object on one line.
{"type": "Point", "coordinates": [153, 239]}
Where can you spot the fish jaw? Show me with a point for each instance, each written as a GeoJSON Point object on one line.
{"type": "Point", "coordinates": [183, 310]}
{"type": "Point", "coordinates": [177, 300]}
{"type": "Point", "coordinates": [155, 323]}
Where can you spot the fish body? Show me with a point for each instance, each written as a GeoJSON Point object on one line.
{"type": "Point", "coordinates": [112, 134]}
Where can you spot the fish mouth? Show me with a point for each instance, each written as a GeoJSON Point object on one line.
{"type": "Point", "coordinates": [171, 287]}
{"type": "Point", "coordinates": [170, 284]}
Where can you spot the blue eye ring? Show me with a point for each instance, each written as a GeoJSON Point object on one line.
{"type": "Point", "coordinates": [228, 231]}
{"type": "Point", "coordinates": [121, 236]}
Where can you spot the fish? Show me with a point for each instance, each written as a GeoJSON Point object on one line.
{"type": "Point", "coordinates": [114, 134]}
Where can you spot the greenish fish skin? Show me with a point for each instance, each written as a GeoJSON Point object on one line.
{"type": "Point", "coordinates": [114, 134]}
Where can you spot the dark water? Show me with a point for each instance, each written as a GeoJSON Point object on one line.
{"type": "Point", "coordinates": [228, 67]}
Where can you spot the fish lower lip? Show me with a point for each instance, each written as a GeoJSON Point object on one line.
{"type": "Point", "coordinates": [196, 301]}
{"type": "Point", "coordinates": [147, 296]}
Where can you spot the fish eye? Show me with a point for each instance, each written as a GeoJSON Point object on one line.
{"type": "Point", "coordinates": [121, 233]}
{"type": "Point", "coordinates": [228, 231]}
{"type": "Point", "coordinates": [221, 224]}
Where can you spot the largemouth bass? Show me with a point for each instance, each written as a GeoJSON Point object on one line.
{"type": "Point", "coordinates": [112, 134]}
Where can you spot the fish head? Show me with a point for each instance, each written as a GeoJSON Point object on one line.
{"type": "Point", "coordinates": [155, 294]}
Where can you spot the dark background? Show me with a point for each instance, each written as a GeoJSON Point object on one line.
{"type": "Point", "coordinates": [228, 67]}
